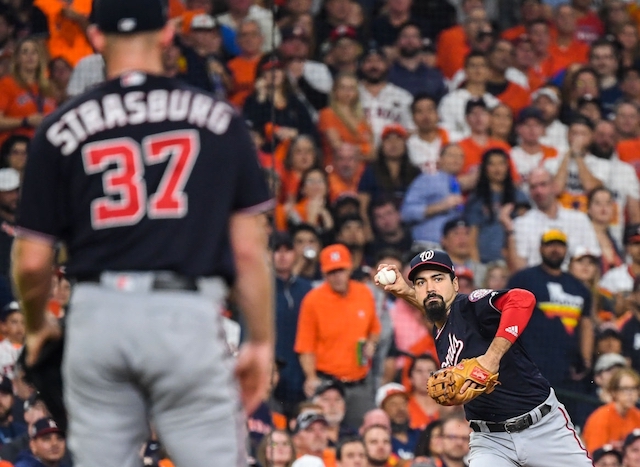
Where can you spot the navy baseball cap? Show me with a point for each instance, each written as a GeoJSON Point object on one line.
{"type": "Point", "coordinates": [306, 419]}
{"type": "Point", "coordinates": [473, 103]}
{"type": "Point", "coordinates": [631, 438]}
{"type": "Point", "coordinates": [530, 112]}
{"type": "Point", "coordinates": [330, 384]}
{"type": "Point", "coordinates": [454, 224]}
{"type": "Point", "coordinates": [431, 259]}
{"type": "Point", "coordinates": [130, 16]}
{"type": "Point", "coordinates": [43, 427]}
{"type": "Point", "coordinates": [606, 450]}
{"type": "Point", "coordinates": [9, 309]}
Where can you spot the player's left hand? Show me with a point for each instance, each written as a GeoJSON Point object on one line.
{"type": "Point", "coordinates": [35, 340]}
{"type": "Point", "coordinates": [253, 370]}
{"type": "Point", "coordinates": [487, 362]}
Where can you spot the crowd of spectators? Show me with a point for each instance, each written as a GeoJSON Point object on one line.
{"type": "Point", "coordinates": [504, 132]}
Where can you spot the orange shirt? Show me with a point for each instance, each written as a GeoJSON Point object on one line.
{"type": "Point", "coordinates": [327, 119]}
{"type": "Point", "coordinates": [417, 418]}
{"type": "Point", "coordinates": [536, 79]}
{"type": "Point", "coordinates": [606, 425]}
{"type": "Point", "coordinates": [473, 151]}
{"type": "Point", "coordinates": [176, 8]}
{"type": "Point", "coordinates": [67, 38]}
{"type": "Point", "coordinates": [331, 327]}
{"type": "Point", "coordinates": [629, 152]}
{"type": "Point", "coordinates": [515, 97]}
{"type": "Point", "coordinates": [18, 102]}
{"type": "Point", "coordinates": [162, 463]}
{"type": "Point", "coordinates": [244, 72]}
{"type": "Point", "coordinates": [452, 49]}
{"type": "Point", "coordinates": [426, 345]}
{"type": "Point", "coordinates": [561, 57]}
{"type": "Point", "coordinates": [290, 183]}
{"type": "Point", "coordinates": [337, 186]}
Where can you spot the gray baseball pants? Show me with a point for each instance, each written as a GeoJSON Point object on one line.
{"type": "Point", "coordinates": [550, 442]}
{"type": "Point", "coordinates": [133, 355]}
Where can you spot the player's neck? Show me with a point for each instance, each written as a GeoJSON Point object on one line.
{"type": "Point", "coordinates": [137, 57]}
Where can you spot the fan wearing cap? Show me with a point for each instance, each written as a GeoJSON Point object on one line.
{"type": "Point", "coordinates": [343, 49]}
{"type": "Point", "coordinates": [34, 410]}
{"type": "Point", "coordinates": [530, 152]}
{"type": "Point", "coordinates": [47, 446]}
{"type": "Point", "coordinates": [330, 397]}
{"type": "Point", "coordinates": [338, 331]}
{"type": "Point", "coordinates": [311, 438]}
{"type": "Point", "coordinates": [12, 328]}
{"type": "Point", "coordinates": [337, 13]}
{"type": "Point", "coordinates": [606, 456]}
{"type": "Point", "coordinates": [631, 449]}
{"type": "Point", "coordinates": [393, 398]}
{"type": "Point", "coordinates": [487, 325]}
{"type": "Point", "coordinates": [547, 100]}
{"type": "Point", "coordinates": [620, 280]}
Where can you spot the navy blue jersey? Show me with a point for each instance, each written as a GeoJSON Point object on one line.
{"type": "Point", "coordinates": [142, 174]}
{"type": "Point", "coordinates": [470, 327]}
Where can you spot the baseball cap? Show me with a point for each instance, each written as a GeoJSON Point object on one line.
{"type": "Point", "coordinates": [553, 235]}
{"type": "Point", "coordinates": [294, 32]}
{"type": "Point", "coordinates": [6, 386]}
{"type": "Point", "coordinates": [203, 22]}
{"type": "Point", "coordinates": [8, 309]}
{"type": "Point", "coordinates": [44, 426]}
{"type": "Point", "coordinates": [581, 251]}
{"type": "Point", "coordinates": [473, 103]}
{"type": "Point", "coordinates": [388, 390]}
{"type": "Point", "coordinates": [130, 16]}
{"type": "Point", "coordinates": [608, 361]}
{"type": "Point", "coordinates": [465, 272]}
{"type": "Point", "coordinates": [342, 32]}
{"type": "Point", "coordinates": [546, 92]}
{"type": "Point", "coordinates": [280, 239]}
{"type": "Point", "coordinates": [330, 384]}
{"type": "Point", "coordinates": [306, 419]}
{"type": "Point", "coordinates": [631, 438]}
{"type": "Point", "coordinates": [453, 224]}
{"type": "Point", "coordinates": [394, 128]}
{"type": "Point", "coordinates": [631, 233]}
{"type": "Point", "coordinates": [530, 112]}
{"type": "Point", "coordinates": [605, 450]}
{"type": "Point", "coordinates": [334, 257]}
{"type": "Point", "coordinates": [9, 179]}
{"type": "Point", "coordinates": [435, 258]}
{"type": "Point", "coordinates": [308, 461]}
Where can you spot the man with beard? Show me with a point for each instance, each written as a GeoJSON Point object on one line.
{"type": "Point", "coordinates": [9, 195]}
{"type": "Point", "coordinates": [409, 70]}
{"type": "Point", "coordinates": [330, 396]}
{"type": "Point", "coordinates": [561, 329]}
{"type": "Point", "coordinates": [393, 398]}
{"type": "Point", "coordinates": [499, 59]}
{"type": "Point", "coordinates": [522, 412]}
{"type": "Point", "coordinates": [383, 103]}
{"type": "Point", "coordinates": [455, 442]}
{"type": "Point", "coordinates": [350, 232]}
{"type": "Point", "coordinates": [377, 444]}
{"type": "Point", "coordinates": [46, 447]}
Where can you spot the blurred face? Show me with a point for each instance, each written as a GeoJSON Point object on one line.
{"type": "Point", "coordinates": [579, 132]}
{"type": "Point", "coordinates": [338, 10]}
{"type": "Point", "coordinates": [476, 21]}
{"type": "Point", "coordinates": [628, 37]}
{"type": "Point", "coordinates": [609, 460]}
{"type": "Point", "coordinates": [5, 30]}
{"type": "Point", "coordinates": [170, 57]}
{"type": "Point", "coordinates": [601, 208]}
{"type": "Point", "coordinates": [386, 219]}
{"type": "Point", "coordinates": [333, 407]}
{"type": "Point", "coordinates": [377, 443]}
{"type": "Point", "coordinates": [409, 41]}
{"type": "Point", "coordinates": [346, 162]}
{"type": "Point", "coordinates": [249, 38]}
{"type": "Point", "coordinates": [240, 5]}
{"type": "Point", "coordinates": [60, 72]}
{"type": "Point", "coordinates": [541, 189]}
{"type": "Point", "coordinates": [305, 240]}
{"type": "Point", "coordinates": [591, 111]}
{"type": "Point", "coordinates": [393, 146]}
{"type": "Point", "coordinates": [302, 155]}
{"type": "Point", "coordinates": [397, 408]}
{"type": "Point", "coordinates": [436, 442]}
{"type": "Point", "coordinates": [501, 57]}
{"type": "Point", "coordinates": [425, 115]}
{"type": "Point", "coordinates": [436, 291]}
{"type": "Point", "coordinates": [540, 39]}
{"type": "Point", "coordinates": [632, 454]}
{"type": "Point", "coordinates": [604, 61]}
{"type": "Point", "coordinates": [274, 77]}
{"type": "Point", "coordinates": [531, 10]}
{"type": "Point", "coordinates": [283, 259]}
{"type": "Point", "coordinates": [346, 51]}
{"type": "Point", "coordinates": [627, 119]}
{"type": "Point", "coordinates": [501, 121]}
{"type": "Point", "coordinates": [605, 137]}
{"type": "Point", "coordinates": [399, 6]}
{"type": "Point", "coordinates": [497, 168]}
{"type": "Point", "coordinates": [315, 184]}
{"type": "Point", "coordinates": [633, 250]}
{"type": "Point", "coordinates": [452, 160]}
{"type": "Point", "coordinates": [9, 200]}
{"type": "Point", "coordinates": [584, 269]}
{"type": "Point", "coordinates": [530, 131]}
{"type": "Point", "coordinates": [455, 434]}
{"type": "Point", "coordinates": [478, 120]}
{"type": "Point", "coordinates": [457, 242]}
{"type": "Point", "coordinates": [524, 56]}
{"type": "Point", "coordinates": [566, 21]}
{"type": "Point", "coordinates": [497, 278]}
{"type": "Point", "coordinates": [13, 328]}
{"type": "Point", "coordinates": [476, 70]}
{"type": "Point", "coordinates": [553, 254]}
{"type": "Point", "coordinates": [420, 375]}
{"type": "Point", "coordinates": [298, 7]}
{"type": "Point", "coordinates": [35, 413]}
{"type": "Point", "coordinates": [49, 448]}
{"type": "Point", "coordinates": [374, 68]}
{"type": "Point", "coordinates": [27, 57]}
{"type": "Point", "coordinates": [17, 157]}
{"type": "Point", "coordinates": [631, 84]}
{"type": "Point", "coordinates": [586, 83]}
{"type": "Point", "coordinates": [627, 393]}
{"type": "Point", "coordinates": [352, 234]}
{"type": "Point", "coordinates": [347, 90]}
{"type": "Point", "coordinates": [353, 455]}
{"type": "Point", "coordinates": [339, 280]}
{"type": "Point", "coordinates": [279, 450]}
{"type": "Point", "coordinates": [206, 41]}
{"type": "Point", "coordinates": [548, 108]}
{"type": "Point", "coordinates": [315, 438]}
{"type": "Point", "coordinates": [205, 5]}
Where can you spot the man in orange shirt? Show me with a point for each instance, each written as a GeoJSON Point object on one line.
{"type": "Point", "coordinates": [530, 10]}
{"type": "Point", "coordinates": [338, 331]}
{"type": "Point", "coordinates": [566, 49]}
{"type": "Point", "coordinates": [347, 168]}
{"type": "Point", "coordinates": [499, 59]}
{"type": "Point", "coordinates": [627, 121]}
{"type": "Point", "coordinates": [244, 67]}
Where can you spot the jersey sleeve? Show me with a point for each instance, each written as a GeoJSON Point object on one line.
{"type": "Point", "coordinates": [251, 192]}
{"type": "Point", "coordinates": [482, 302]}
{"type": "Point", "coordinates": [40, 211]}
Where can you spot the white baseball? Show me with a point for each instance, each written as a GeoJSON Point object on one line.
{"type": "Point", "coordinates": [386, 276]}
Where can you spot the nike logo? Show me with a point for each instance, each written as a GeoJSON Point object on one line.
{"type": "Point", "coordinates": [513, 330]}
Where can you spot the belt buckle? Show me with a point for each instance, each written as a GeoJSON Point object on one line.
{"type": "Point", "coordinates": [517, 425]}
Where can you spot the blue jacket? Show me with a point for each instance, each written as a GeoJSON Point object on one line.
{"type": "Point", "coordinates": [27, 459]}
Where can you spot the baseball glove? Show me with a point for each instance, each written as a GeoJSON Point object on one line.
{"type": "Point", "coordinates": [444, 385]}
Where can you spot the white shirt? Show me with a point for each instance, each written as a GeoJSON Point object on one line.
{"type": "Point", "coordinates": [89, 72]}
{"type": "Point", "coordinates": [318, 75]}
{"type": "Point", "coordinates": [512, 74]}
{"type": "Point", "coordinates": [264, 19]}
{"type": "Point", "coordinates": [8, 358]}
{"type": "Point", "coordinates": [555, 135]}
{"type": "Point", "coordinates": [528, 230]}
{"type": "Point", "coordinates": [451, 112]}
{"type": "Point", "coordinates": [617, 280]}
{"type": "Point", "coordinates": [391, 105]}
{"type": "Point", "coordinates": [525, 163]}
{"type": "Point", "coordinates": [423, 154]}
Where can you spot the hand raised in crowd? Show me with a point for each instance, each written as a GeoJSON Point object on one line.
{"type": "Point", "coordinates": [504, 216]}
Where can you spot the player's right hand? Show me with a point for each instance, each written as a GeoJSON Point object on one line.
{"type": "Point", "coordinates": [253, 370]}
{"type": "Point", "coordinates": [399, 287]}
{"type": "Point", "coordinates": [35, 340]}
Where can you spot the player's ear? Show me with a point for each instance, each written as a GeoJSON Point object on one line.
{"type": "Point", "coordinates": [96, 38]}
{"type": "Point", "coordinates": [456, 286]}
{"type": "Point", "coordinates": [167, 33]}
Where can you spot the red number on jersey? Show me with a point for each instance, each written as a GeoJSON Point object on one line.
{"type": "Point", "coordinates": [125, 202]}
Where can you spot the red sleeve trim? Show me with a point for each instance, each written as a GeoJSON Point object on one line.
{"type": "Point", "coordinates": [516, 307]}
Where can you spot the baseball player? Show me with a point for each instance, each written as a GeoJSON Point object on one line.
{"type": "Point", "coordinates": [155, 188]}
{"type": "Point", "coordinates": [518, 423]}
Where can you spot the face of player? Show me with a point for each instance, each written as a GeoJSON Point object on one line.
{"type": "Point", "coordinates": [353, 455]}
{"type": "Point", "coordinates": [436, 291]}
{"type": "Point", "coordinates": [601, 208]}
{"type": "Point", "coordinates": [374, 68]}
{"type": "Point", "coordinates": [315, 438]}
{"type": "Point", "coordinates": [530, 131]}
{"type": "Point", "coordinates": [377, 443]}
{"type": "Point", "coordinates": [333, 406]}
{"type": "Point", "coordinates": [451, 160]}
{"type": "Point", "coordinates": [425, 115]}
{"type": "Point", "coordinates": [17, 157]}
{"type": "Point", "coordinates": [250, 38]}
{"type": "Point", "coordinates": [478, 120]}
{"type": "Point", "coordinates": [420, 375]}
{"type": "Point", "coordinates": [609, 460]}
{"type": "Point", "coordinates": [49, 447]}
{"type": "Point", "coordinates": [393, 147]}
{"type": "Point", "coordinates": [632, 455]}
{"type": "Point", "coordinates": [455, 436]}
{"type": "Point", "coordinates": [13, 328]}
{"type": "Point", "coordinates": [339, 280]}
{"type": "Point", "coordinates": [279, 451]}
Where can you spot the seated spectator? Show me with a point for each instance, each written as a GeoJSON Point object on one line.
{"type": "Point", "coordinates": [547, 100]}
{"type": "Point", "coordinates": [530, 10]}
{"type": "Point", "coordinates": [630, 84]}
{"type": "Point", "coordinates": [59, 76]}
{"type": "Point", "coordinates": [606, 365]}
{"type": "Point", "coordinates": [312, 202]}
{"type": "Point", "coordinates": [530, 153]}
{"type": "Point", "coordinates": [524, 233]}
{"type": "Point", "coordinates": [311, 438]}
{"type": "Point", "coordinates": [344, 121]}
{"type": "Point", "coordinates": [496, 276]}
{"type": "Point", "coordinates": [429, 446]}
{"type": "Point", "coordinates": [590, 107]}
{"type": "Point", "coordinates": [25, 100]}
{"type": "Point", "coordinates": [630, 331]}
{"type": "Point", "coordinates": [303, 155]}
{"type": "Point", "coordinates": [434, 199]}
{"type": "Point", "coordinates": [611, 423]}
{"type": "Point", "coordinates": [13, 153]}
{"type": "Point", "coordinates": [346, 205]}
{"type": "Point", "coordinates": [351, 452]}
{"type": "Point", "coordinates": [422, 408]}
{"type": "Point", "coordinates": [343, 51]}
{"type": "Point", "coordinates": [606, 456]}
{"type": "Point", "coordinates": [619, 280]}
{"type": "Point", "coordinates": [499, 60]}
{"type": "Point", "coordinates": [589, 25]}
{"type": "Point", "coordinates": [34, 410]}
{"type": "Point", "coordinates": [523, 71]}
{"type": "Point", "coordinates": [350, 233]}
{"type": "Point", "coordinates": [47, 446]}
{"type": "Point", "coordinates": [377, 442]}
{"type": "Point", "coordinates": [375, 417]}
{"type": "Point", "coordinates": [627, 123]}
{"type": "Point", "coordinates": [426, 143]}
{"type": "Point", "coordinates": [13, 330]}
{"type": "Point", "coordinates": [244, 67]}
{"type": "Point", "coordinates": [455, 441]}
{"type": "Point", "coordinates": [603, 57]}
{"type": "Point", "coordinates": [453, 106]}
{"type": "Point", "coordinates": [456, 241]}
{"type": "Point", "coordinates": [306, 245]}
{"type": "Point", "coordinates": [565, 49]}
{"type": "Point", "coordinates": [383, 103]}
{"type": "Point", "coordinates": [627, 36]}
{"type": "Point", "coordinates": [409, 71]}
{"type": "Point", "coordinates": [336, 14]}
{"type": "Point", "coordinates": [393, 398]}
{"type": "Point", "coordinates": [539, 33]}
{"type": "Point", "coordinates": [631, 450]}
{"type": "Point", "coordinates": [10, 427]}
{"type": "Point", "coordinates": [388, 230]}
{"type": "Point", "coordinates": [585, 266]}
{"type": "Point", "coordinates": [581, 87]}
{"type": "Point", "coordinates": [345, 176]}
{"type": "Point", "coordinates": [276, 449]}
{"type": "Point", "coordinates": [330, 396]}
{"type": "Point", "coordinates": [501, 124]}
{"type": "Point", "coordinates": [387, 26]}
{"type": "Point", "coordinates": [240, 10]}
{"type": "Point", "coordinates": [496, 192]}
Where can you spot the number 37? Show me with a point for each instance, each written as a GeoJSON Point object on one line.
{"type": "Point", "coordinates": [126, 201]}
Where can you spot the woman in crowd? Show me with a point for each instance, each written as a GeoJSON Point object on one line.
{"type": "Point", "coordinates": [344, 121]}
{"type": "Point", "coordinates": [578, 83]}
{"type": "Point", "coordinates": [627, 37]}
{"type": "Point", "coordinates": [429, 445]}
{"type": "Point", "coordinates": [611, 423]}
{"type": "Point", "coordinates": [312, 202]}
{"type": "Point", "coordinates": [59, 74]}
{"type": "Point", "coordinates": [494, 193]}
{"type": "Point", "coordinates": [501, 124]}
{"type": "Point", "coordinates": [497, 275]}
{"type": "Point", "coordinates": [303, 155]}
{"type": "Point", "coordinates": [601, 211]}
{"type": "Point", "coordinates": [276, 450]}
{"type": "Point", "coordinates": [25, 98]}
{"type": "Point", "coordinates": [13, 152]}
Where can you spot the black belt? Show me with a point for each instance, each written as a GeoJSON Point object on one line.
{"type": "Point", "coordinates": [513, 426]}
{"type": "Point", "coordinates": [346, 383]}
{"type": "Point", "coordinates": [161, 281]}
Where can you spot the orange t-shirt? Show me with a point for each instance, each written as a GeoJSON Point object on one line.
{"type": "Point", "coordinates": [162, 463]}
{"type": "Point", "coordinates": [561, 57]}
{"type": "Point", "coordinates": [337, 186]}
{"type": "Point", "coordinates": [536, 79]}
{"type": "Point", "coordinates": [418, 420]}
{"type": "Point", "coordinates": [426, 345]}
{"type": "Point", "coordinates": [327, 119]}
{"type": "Point", "coordinates": [176, 8]}
{"type": "Point", "coordinates": [244, 71]}
{"type": "Point", "coordinates": [331, 327]}
{"type": "Point", "coordinates": [515, 97]}
{"type": "Point", "coordinates": [18, 102]}
{"type": "Point", "coordinates": [605, 425]}
{"type": "Point", "coordinates": [452, 48]}
{"type": "Point", "coordinates": [67, 38]}
{"type": "Point", "coordinates": [473, 152]}
{"type": "Point", "coordinates": [629, 152]}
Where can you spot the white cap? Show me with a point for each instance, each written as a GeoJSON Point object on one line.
{"type": "Point", "coordinates": [609, 360]}
{"type": "Point", "coordinates": [308, 461]}
{"type": "Point", "coordinates": [547, 92]}
{"type": "Point", "coordinates": [389, 390]}
{"type": "Point", "coordinates": [9, 179]}
{"type": "Point", "coordinates": [203, 22]}
{"type": "Point", "coordinates": [581, 252]}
